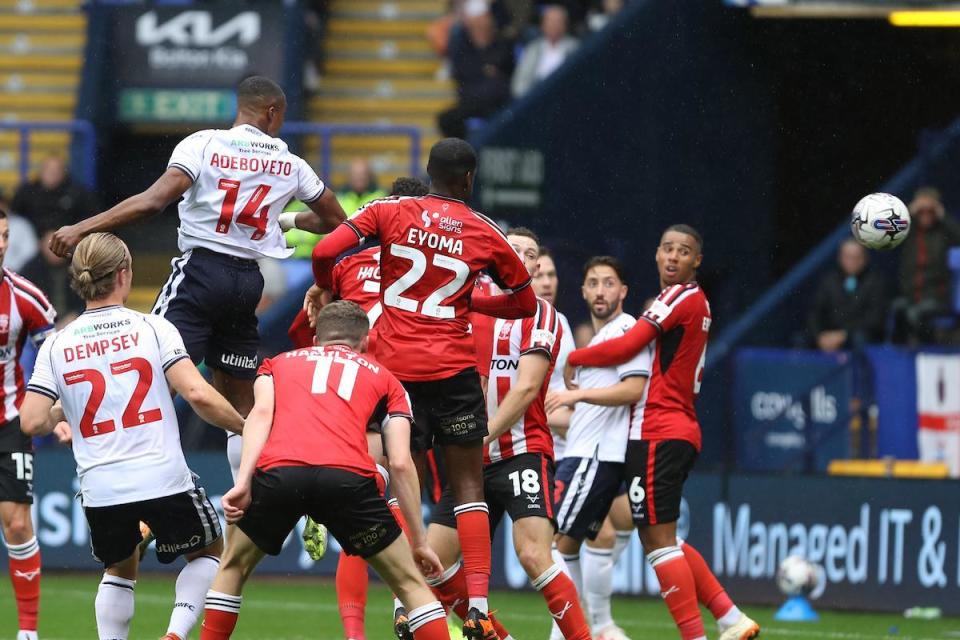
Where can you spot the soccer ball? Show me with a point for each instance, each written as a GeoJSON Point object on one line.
{"type": "Point", "coordinates": [796, 576]}
{"type": "Point", "coordinates": [880, 221]}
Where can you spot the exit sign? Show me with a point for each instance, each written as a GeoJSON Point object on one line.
{"type": "Point", "coordinates": [184, 105]}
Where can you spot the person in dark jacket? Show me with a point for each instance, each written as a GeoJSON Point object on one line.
{"type": "Point", "coordinates": [482, 64]}
{"type": "Point", "coordinates": [850, 307]}
{"type": "Point", "coordinates": [924, 273]}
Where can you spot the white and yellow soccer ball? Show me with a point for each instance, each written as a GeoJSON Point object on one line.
{"type": "Point", "coordinates": [796, 576]}
{"type": "Point", "coordinates": [880, 221]}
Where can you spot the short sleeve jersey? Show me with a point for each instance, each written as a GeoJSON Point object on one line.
{"type": "Point", "coordinates": [25, 314]}
{"type": "Point", "coordinates": [324, 399]}
{"type": "Point", "coordinates": [597, 430]}
{"type": "Point", "coordinates": [107, 368]}
{"type": "Point", "coordinates": [509, 341]}
{"type": "Point", "coordinates": [242, 179]}
{"type": "Point", "coordinates": [681, 314]}
{"type": "Point", "coordinates": [433, 249]}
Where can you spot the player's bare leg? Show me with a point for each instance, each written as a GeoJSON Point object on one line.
{"type": "Point", "coordinates": [191, 589]}
{"type": "Point", "coordinates": [24, 564]}
{"type": "Point", "coordinates": [677, 585]}
{"type": "Point", "coordinates": [532, 538]}
{"type": "Point", "coordinates": [598, 558]}
{"type": "Point", "coordinates": [473, 531]}
{"type": "Point", "coordinates": [114, 602]}
{"type": "Point", "coordinates": [222, 609]}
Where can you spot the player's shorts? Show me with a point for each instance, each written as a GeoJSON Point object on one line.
{"type": "Point", "coordinates": [349, 504]}
{"type": "Point", "coordinates": [211, 299]}
{"type": "Point", "coordinates": [16, 464]}
{"type": "Point", "coordinates": [448, 411]}
{"type": "Point", "coordinates": [183, 523]}
{"type": "Point", "coordinates": [655, 472]}
{"type": "Point", "coordinates": [589, 487]}
{"type": "Point", "coordinates": [521, 486]}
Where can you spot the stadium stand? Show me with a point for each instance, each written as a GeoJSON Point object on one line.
{"type": "Point", "coordinates": [41, 50]}
{"type": "Point", "coordinates": [379, 70]}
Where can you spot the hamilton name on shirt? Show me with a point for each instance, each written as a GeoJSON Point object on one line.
{"type": "Point", "coordinates": [338, 356]}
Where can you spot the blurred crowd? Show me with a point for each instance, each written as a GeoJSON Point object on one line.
{"type": "Point", "coordinates": [498, 50]}
{"type": "Point", "coordinates": [857, 303]}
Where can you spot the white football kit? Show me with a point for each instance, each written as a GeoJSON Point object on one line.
{"type": "Point", "coordinates": [107, 368]}
{"type": "Point", "coordinates": [242, 180]}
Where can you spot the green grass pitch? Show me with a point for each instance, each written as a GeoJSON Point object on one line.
{"type": "Point", "coordinates": [298, 609]}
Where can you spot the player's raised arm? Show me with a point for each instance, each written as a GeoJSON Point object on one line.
{"type": "Point", "coordinates": [325, 211]}
{"type": "Point", "coordinates": [168, 188]}
{"type": "Point", "coordinates": [617, 351]}
{"type": "Point", "coordinates": [185, 379]}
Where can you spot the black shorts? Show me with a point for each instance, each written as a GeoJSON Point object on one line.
{"type": "Point", "coordinates": [16, 476]}
{"type": "Point", "coordinates": [655, 472]}
{"type": "Point", "coordinates": [448, 411]}
{"type": "Point", "coordinates": [587, 489]}
{"type": "Point", "coordinates": [212, 299]}
{"type": "Point", "coordinates": [182, 523]}
{"type": "Point", "coordinates": [521, 486]}
{"type": "Point", "coordinates": [349, 504]}
{"type": "Point", "coordinates": [12, 439]}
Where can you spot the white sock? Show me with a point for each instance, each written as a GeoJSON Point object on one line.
{"type": "Point", "coordinates": [621, 544]}
{"type": "Point", "coordinates": [396, 604]}
{"type": "Point", "coordinates": [191, 591]}
{"type": "Point", "coordinates": [598, 586]}
{"type": "Point", "coordinates": [572, 564]}
{"type": "Point", "coordinates": [730, 618]}
{"type": "Point", "coordinates": [425, 614]}
{"type": "Point", "coordinates": [480, 604]}
{"type": "Point", "coordinates": [234, 448]}
{"type": "Point", "coordinates": [114, 607]}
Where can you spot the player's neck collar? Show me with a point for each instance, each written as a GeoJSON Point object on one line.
{"type": "Point", "coordinates": [442, 197]}
{"type": "Point", "coordinates": [98, 309]}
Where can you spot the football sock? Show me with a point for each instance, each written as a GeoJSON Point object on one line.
{"type": "Point", "coordinates": [394, 505]}
{"type": "Point", "coordinates": [352, 580]}
{"type": "Point", "coordinates": [678, 590]}
{"type": "Point", "coordinates": [191, 590]}
{"type": "Point", "coordinates": [451, 590]}
{"type": "Point", "coordinates": [709, 590]}
{"type": "Point", "coordinates": [597, 567]}
{"type": "Point", "coordinates": [220, 615]}
{"type": "Point", "coordinates": [571, 561]}
{"type": "Point", "coordinates": [621, 544]}
{"type": "Point", "coordinates": [24, 567]}
{"type": "Point", "coordinates": [473, 530]}
{"type": "Point", "coordinates": [114, 607]}
{"type": "Point", "coordinates": [429, 622]}
{"type": "Point", "coordinates": [562, 602]}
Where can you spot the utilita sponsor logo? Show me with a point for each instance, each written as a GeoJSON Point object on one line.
{"type": "Point", "coordinates": [234, 360]}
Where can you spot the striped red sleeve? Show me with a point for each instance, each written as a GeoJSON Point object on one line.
{"type": "Point", "coordinates": [617, 351]}
{"type": "Point", "coordinates": [542, 331]}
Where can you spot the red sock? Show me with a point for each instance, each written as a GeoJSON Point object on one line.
{"type": "Point", "coordinates": [679, 591]}
{"type": "Point", "coordinates": [24, 570]}
{"type": "Point", "coordinates": [395, 508]}
{"type": "Point", "coordinates": [473, 529]}
{"type": "Point", "coordinates": [452, 594]}
{"type": "Point", "coordinates": [352, 581]}
{"type": "Point", "coordinates": [709, 590]}
{"type": "Point", "coordinates": [429, 622]}
{"type": "Point", "coordinates": [217, 624]}
{"type": "Point", "coordinates": [563, 602]}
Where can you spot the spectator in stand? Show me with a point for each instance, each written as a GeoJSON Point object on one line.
{"type": "Point", "coordinates": [49, 202]}
{"type": "Point", "coordinates": [850, 307]}
{"type": "Point", "coordinates": [542, 56]}
{"type": "Point", "coordinates": [598, 19]}
{"type": "Point", "coordinates": [360, 189]}
{"type": "Point", "coordinates": [924, 272]}
{"type": "Point", "coordinates": [481, 62]}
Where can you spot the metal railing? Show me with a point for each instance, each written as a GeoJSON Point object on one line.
{"type": "Point", "coordinates": [327, 132]}
{"type": "Point", "coordinates": [86, 173]}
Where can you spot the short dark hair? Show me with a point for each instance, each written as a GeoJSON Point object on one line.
{"type": "Point", "coordinates": [524, 232]}
{"type": "Point", "coordinates": [545, 252]}
{"type": "Point", "coordinates": [342, 320]}
{"type": "Point", "coordinates": [450, 160]}
{"type": "Point", "coordinates": [688, 230]}
{"type": "Point", "coordinates": [258, 92]}
{"type": "Point", "coordinates": [606, 261]}
{"type": "Point", "coordinates": [407, 186]}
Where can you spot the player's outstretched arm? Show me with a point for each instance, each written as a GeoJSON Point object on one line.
{"type": "Point", "coordinates": [185, 379]}
{"type": "Point", "coordinates": [404, 483]}
{"type": "Point", "coordinates": [531, 372]}
{"type": "Point", "coordinates": [617, 351]}
{"type": "Point", "coordinates": [168, 188]}
{"type": "Point", "coordinates": [325, 253]}
{"type": "Point", "coordinates": [509, 306]}
{"type": "Point", "coordinates": [324, 215]}
{"type": "Point", "coordinates": [626, 392]}
{"type": "Point", "coordinates": [37, 417]}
